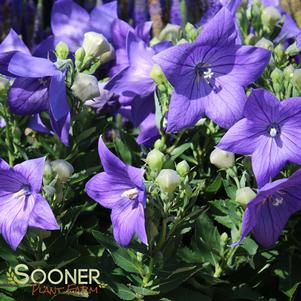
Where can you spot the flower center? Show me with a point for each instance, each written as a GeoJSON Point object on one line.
{"type": "Point", "coordinates": [130, 194]}
{"type": "Point", "coordinates": [24, 191]}
{"type": "Point", "coordinates": [277, 201]}
{"type": "Point", "coordinates": [43, 81]}
{"type": "Point", "coordinates": [203, 70]}
{"type": "Point", "coordinates": [273, 130]}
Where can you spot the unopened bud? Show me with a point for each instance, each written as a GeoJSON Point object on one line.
{"type": "Point", "coordinates": [222, 159]}
{"type": "Point", "coordinates": [2, 122]}
{"type": "Point", "coordinates": [265, 43]}
{"type": "Point", "coordinates": [155, 160]}
{"type": "Point", "coordinates": [244, 195]}
{"type": "Point", "coordinates": [79, 57]}
{"type": "Point", "coordinates": [50, 190]}
{"type": "Point", "coordinates": [159, 144]}
{"type": "Point", "coordinates": [224, 237]}
{"type": "Point", "coordinates": [62, 50]}
{"type": "Point", "coordinates": [171, 32]}
{"type": "Point", "coordinates": [250, 39]}
{"type": "Point", "coordinates": [270, 17]}
{"type": "Point", "coordinates": [97, 46]}
{"type": "Point", "coordinates": [183, 168]}
{"type": "Point", "coordinates": [157, 75]}
{"type": "Point", "coordinates": [279, 52]}
{"type": "Point", "coordinates": [63, 169]}
{"type": "Point", "coordinates": [288, 73]}
{"type": "Point", "coordinates": [168, 180]}
{"type": "Point", "coordinates": [47, 169]}
{"type": "Point", "coordinates": [85, 87]}
{"type": "Point", "coordinates": [191, 32]}
{"type": "Point", "coordinates": [277, 75]}
{"type": "Point", "coordinates": [297, 79]}
{"type": "Point", "coordinates": [4, 84]}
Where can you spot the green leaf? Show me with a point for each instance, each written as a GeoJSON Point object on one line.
{"type": "Point", "coordinates": [126, 259]}
{"type": "Point", "coordinates": [123, 150]}
{"type": "Point", "coordinates": [144, 291]}
{"type": "Point", "coordinates": [215, 185]}
{"type": "Point", "coordinates": [123, 292]}
{"type": "Point", "coordinates": [104, 240]}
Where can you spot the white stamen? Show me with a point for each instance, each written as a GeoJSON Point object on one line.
{"type": "Point", "coordinates": [21, 193]}
{"type": "Point", "coordinates": [273, 132]}
{"type": "Point", "coordinates": [208, 74]}
{"type": "Point", "coordinates": [130, 194]}
{"type": "Point", "coordinates": [277, 201]}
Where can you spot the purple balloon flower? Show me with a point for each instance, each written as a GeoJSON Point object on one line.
{"type": "Point", "coordinates": [39, 86]}
{"type": "Point", "coordinates": [120, 188]}
{"type": "Point", "coordinates": [210, 74]}
{"type": "Point", "coordinates": [21, 203]}
{"type": "Point", "coordinates": [267, 214]}
{"type": "Point", "coordinates": [269, 132]}
{"type": "Point", "coordinates": [135, 78]}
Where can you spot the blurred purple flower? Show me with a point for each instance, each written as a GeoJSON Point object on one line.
{"type": "Point", "coordinates": [269, 132]}
{"type": "Point", "coordinates": [120, 188]}
{"type": "Point", "coordinates": [21, 203]}
{"type": "Point", "coordinates": [149, 132]}
{"type": "Point", "coordinates": [39, 86]}
{"type": "Point", "coordinates": [2, 122]}
{"type": "Point", "coordinates": [175, 12]}
{"type": "Point", "coordinates": [210, 74]}
{"type": "Point", "coordinates": [267, 214]}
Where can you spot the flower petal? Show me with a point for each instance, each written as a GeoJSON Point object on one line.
{"type": "Point", "coordinates": [219, 31]}
{"type": "Point", "coordinates": [12, 42]}
{"type": "Point", "coordinates": [28, 96]}
{"type": "Point", "coordinates": [127, 218]}
{"type": "Point", "coordinates": [33, 171]}
{"type": "Point", "coordinates": [25, 65]}
{"type": "Point", "coordinates": [42, 216]}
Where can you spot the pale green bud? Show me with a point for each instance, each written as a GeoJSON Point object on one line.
{"type": "Point", "coordinates": [168, 180]}
{"type": "Point", "coordinates": [265, 43]}
{"type": "Point", "coordinates": [270, 17]}
{"type": "Point", "coordinates": [288, 73]}
{"type": "Point", "coordinates": [224, 237]}
{"type": "Point", "coordinates": [183, 168]}
{"type": "Point", "coordinates": [159, 144]}
{"type": "Point", "coordinates": [279, 51]}
{"type": "Point", "coordinates": [250, 39]}
{"type": "Point", "coordinates": [4, 84]}
{"type": "Point", "coordinates": [244, 195]}
{"type": "Point", "coordinates": [297, 79]}
{"type": "Point", "coordinates": [191, 31]}
{"type": "Point", "coordinates": [222, 159]}
{"type": "Point", "coordinates": [47, 169]}
{"type": "Point", "coordinates": [50, 190]}
{"type": "Point", "coordinates": [62, 50]}
{"type": "Point", "coordinates": [79, 57]}
{"type": "Point", "coordinates": [155, 160]}
{"type": "Point", "coordinates": [171, 32]}
{"type": "Point", "coordinates": [277, 75]}
{"type": "Point", "coordinates": [157, 75]}
{"type": "Point", "coordinates": [85, 86]}
{"type": "Point", "coordinates": [97, 46]}
{"type": "Point", "coordinates": [63, 169]}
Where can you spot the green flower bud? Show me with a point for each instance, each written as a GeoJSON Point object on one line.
{"type": "Point", "coordinates": [168, 180]}
{"type": "Point", "coordinates": [97, 46]}
{"type": "Point", "coordinates": [297, 79]}
{"type": "Point", "coordinates": [159, 144]}
{"type": "Point", "coordinates": [222, 159]}
{"type": "Point", "coordinates": [47, 169]}
{"type": "Point", "coordinates": [50, 190]}
{"type": "Point", "coordinates": [182, 41]}
{"type": "Point", "coordinates": [244, 195]}
{"type": "Point", "coordinates": [171, 32]}
{"type": "Point", "coordinates": [85, 86]}
{"type": "Point", "coordinates": [191, 31]}
{"type": "Point", "coordinates": [155, 160]}
{"type": "Point", "coordinates": [62, 50]}
{"type": "Point", "coordinates": [292, 50]}
{"type": "Point", "coordinates": [279, 52]}
{"type": "Point", "coordinates": [63, 169]}
{"type": "Point", "coordinates": [224, 237]}
{"type": "Point", "coordinates": [265, 43]}
{"type": "Point", "coordinates": [270, 17]}
{"type": "Point", "coordinates": [79, 57]}
{"type": "Point", "coordinates": [183, 168]}
{"type": "Point", "coordinates": [277, 75]}
{"type": "Point", "coordinates": [157, 75]}
{"type": "Point", "coordinates": [288, 73]}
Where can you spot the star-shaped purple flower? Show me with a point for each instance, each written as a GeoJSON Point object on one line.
{"type": "Point", "coordinates": [210, 74]}
{"type": "Point", "coordinates": [267, 214]}
{"type": "Point", "coordinates": [269, 132]}
{"type": "Point", "coordinates": [21, 203]}
{"type": "Point", "coordinates": [120, 188]}
{"type": "Point", "coordinates": [39, 86]}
